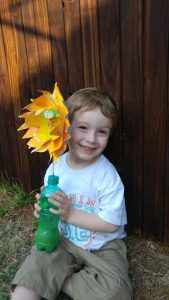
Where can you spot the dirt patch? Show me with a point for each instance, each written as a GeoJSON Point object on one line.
{"type": "Point", "coordinates": [149, 268]}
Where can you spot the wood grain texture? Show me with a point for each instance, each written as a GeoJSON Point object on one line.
{"type": "Point", "coordinates": [73, 44]}
{"type": "Point", "coordinates": [31, 41]}
{"type": "Point", "coordinates": [5, 153]}
{"type": "Point", "coordinates": [6, 116]}
{"type": "Point", "coordinates": [132, 83]}
{"type": "Point", "coordinates": [25, 33]}
{"type": "Point", "coordinates": [110, 68]}
{"type": "Point", "coordinates": [58, 43]}
{"type": "Point", "coordinates": [109, 21]}
{"type": "Point", "coordinates": [43, 39]}
{"type": "Point", "coordinates": [44, 57]}
{"type": "Point", "coordinates": [90, 42]}
{"type": "Point", "coordinates": [166, 213]}
{"type": "Point", "coordinates": [155, 93]}
{"type": "Point", "coordinates": [11, 94]}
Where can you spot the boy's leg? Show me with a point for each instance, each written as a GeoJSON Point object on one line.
{"type": "Point", "coordinates": [45, 273]}
{"type": "Point", "coordinates": [22, 292]}
{"type": "Point", "coordinates": [67, 287]}
{"type": "Point", "coordinates": [104, 273]}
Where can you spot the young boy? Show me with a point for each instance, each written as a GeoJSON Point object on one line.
{"type": "Point", "coordinates": [90, 261]}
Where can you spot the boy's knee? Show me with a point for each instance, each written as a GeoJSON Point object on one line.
{"type": "Point", "coordinates": [102, 287]}
{"type": "Point", "coordinates": [20, 292]}
{"type": "Point", "coordinates": [122, 291]}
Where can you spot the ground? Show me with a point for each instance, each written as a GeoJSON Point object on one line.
{"type": "Point", "coordinates": [148, 260]}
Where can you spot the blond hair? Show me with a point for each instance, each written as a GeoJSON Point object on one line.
{"type": "Point", "coordinates": [90, 99]}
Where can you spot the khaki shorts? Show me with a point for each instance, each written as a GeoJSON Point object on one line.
{"type": "Point", "coordinates": [97, 275]}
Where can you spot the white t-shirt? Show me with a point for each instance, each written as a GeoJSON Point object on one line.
{"type": "Point", "coordinates": [95, 189]}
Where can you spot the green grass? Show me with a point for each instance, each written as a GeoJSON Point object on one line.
{"type": "Point", "coordinates": [10, 242]}
{"type": "Point", "coordinates": [13, 195]}
{"type": "Point", "coordinates": [16, 212]}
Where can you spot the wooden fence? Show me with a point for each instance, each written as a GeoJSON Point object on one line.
{"type": "Point", "coordinates": [120, 45]}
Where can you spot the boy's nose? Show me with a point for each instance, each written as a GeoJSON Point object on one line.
{"type": "Point", "coordinates": [91, 137]}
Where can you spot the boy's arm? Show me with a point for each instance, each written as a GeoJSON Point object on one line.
{"type": "Point", "coordinates": [82, 219]}
{"type": "Point", "coordinates": [90, 221]}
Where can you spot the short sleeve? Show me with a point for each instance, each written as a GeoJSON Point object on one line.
{"type": "Point", "coordinates": [111, 198]}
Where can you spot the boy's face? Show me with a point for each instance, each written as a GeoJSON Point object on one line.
{"type": "Point", "coordinates": [90, 131]}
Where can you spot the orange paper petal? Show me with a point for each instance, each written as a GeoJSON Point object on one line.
{"type": "Point", "coordinates": [47, 123]}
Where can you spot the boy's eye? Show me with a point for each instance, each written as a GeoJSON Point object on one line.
{"type": "Point", "coordinates": [102, 131]}
{"type": "Point", "coordinates": [82, 127]}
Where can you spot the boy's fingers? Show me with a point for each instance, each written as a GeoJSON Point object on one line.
{"type": "Point", "coordinates": [36, 214]}
{"type": "Point", "coordinates": [54, 201]}
{"type": "Point", "coordinates": [59, 195]}
{"type": "Point", "coordinates": [37, 196]}
{"type": "Point", "coordinates": [42, 187]}
{"type": "Point", "coordinates": [54, 211]}
{"type": "Point", "coordinates": [37, 207]}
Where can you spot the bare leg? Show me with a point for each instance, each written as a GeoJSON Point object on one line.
{"type": "Point", "coordinates": [67, 288]}
{"type": "Point", "coordinates": [22, 293]}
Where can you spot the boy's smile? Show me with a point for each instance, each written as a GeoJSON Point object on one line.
{"type": "Point", "coordinates": [90, 131]}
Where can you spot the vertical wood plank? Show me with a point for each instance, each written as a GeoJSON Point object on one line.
{"type": "Point", "coordinates": [110, 46]}
{"type": "Point", "coordinates": [30, 32]}
{"type": "Point", "coordinates": [6, 119]}
{"type": "Point", "coordinates": [110, 68]}
{"type": "Point", "coordinates": [73, 44]}
{"type": "Point", "coordinates": [44, 44]}
{"type": "Point", "coordinates": [43, 38]}
{"type": "Point", "coordinates": [12, 100]}
{"type": "Point", "coordinates": [166, 216]}
{"type": "Point", "coordinates": [90, 42]}
{"type": "Point", "coordinates": [5, 153]}
{"type": "Point", "coordinates": [2, 172]}
{"type": "Point", "coordinates": [155, 93]}
{"type": "Point", "coordinates": [131, 44]}
{"type": "Point", "coordinates": [27, 78]}
{"type": "Point", "coordinates": [58, 43]}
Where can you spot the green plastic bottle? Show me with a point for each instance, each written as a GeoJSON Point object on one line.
{"type": "Point", "coordinates": [47, 235]}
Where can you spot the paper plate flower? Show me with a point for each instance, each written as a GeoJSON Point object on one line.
{"type": "Point", "coordinates": [47, 124]}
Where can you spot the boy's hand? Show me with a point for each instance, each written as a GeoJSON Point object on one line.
{"type": "Point", "coordinates": [36, 206]}
{"type": "Point", "coordinates": [63, 203]}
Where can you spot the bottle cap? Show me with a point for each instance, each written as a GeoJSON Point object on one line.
{"type": "Point", "coordinates": [53, 179]}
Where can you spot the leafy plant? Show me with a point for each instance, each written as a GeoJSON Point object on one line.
{"type": "Point", "coordinates": [3, 211]}
{"type": "Point", "coordinates": [13, 195]}
{"type": "Point", "coordinates": [21, 197]}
